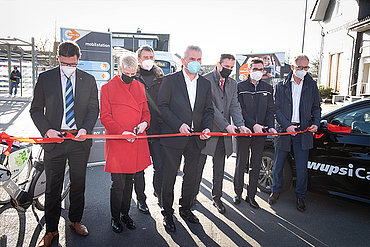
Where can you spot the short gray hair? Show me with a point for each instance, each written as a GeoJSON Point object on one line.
{"type": "Point", "coordinates": [129, 61]}
{"type": "Point", "coordinates": [300, 57]}
{"type": "Point", "coordinates": [192, 47]}
{"type": "Point", "coordinates": [144, 48]}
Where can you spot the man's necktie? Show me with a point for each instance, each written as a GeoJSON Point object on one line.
{"type": "Point", "coordinates": [70, 113]}
{"type": "Point", "coordinates": [222, 83]}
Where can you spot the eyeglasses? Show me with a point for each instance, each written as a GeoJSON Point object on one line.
{"type": "Point", "coordinates": [68, 64]}
{"type": "Point", "coordinates": [255, 69]}
{"type": "Point", "coordinates": [302, 67]}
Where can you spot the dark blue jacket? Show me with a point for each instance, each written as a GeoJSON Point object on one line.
{"type": "Point", "coordinates": [309, 111]}
{"type": "Point", "coordinates": [15, 73]}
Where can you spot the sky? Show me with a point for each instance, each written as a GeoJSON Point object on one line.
{"type": "Point", "coordinates": [217, 26]}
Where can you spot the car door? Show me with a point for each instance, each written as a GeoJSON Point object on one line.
{"type": "Point", "coordinates": [340, 161]}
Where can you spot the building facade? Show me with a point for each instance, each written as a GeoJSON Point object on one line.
{"type": "Point", "coordinates": [345, 46]}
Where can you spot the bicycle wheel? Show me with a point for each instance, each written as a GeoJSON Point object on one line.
{"type": "Point", "coordinates": [40, 201]}
{"type": "Point", "coordinates": [21, 178]}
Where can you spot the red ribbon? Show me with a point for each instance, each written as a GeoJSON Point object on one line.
{"type": "Point", "coordinates": [39, 140]}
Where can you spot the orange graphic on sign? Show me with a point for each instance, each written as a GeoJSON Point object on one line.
{"type": "Point", "coordinates": [104, 65]}
{"type": "Point", "coordinates": [103, 76]}
{"type": "Point", "coordinates": [243, 72]}
{"type": "Point", "coordinates": [73, 34]}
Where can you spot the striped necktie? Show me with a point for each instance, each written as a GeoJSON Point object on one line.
{"type": "Point", "coordinates": [70, 113]}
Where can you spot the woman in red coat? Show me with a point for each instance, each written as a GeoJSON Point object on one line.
{"type": "Point", "coordinates": [124, 110]}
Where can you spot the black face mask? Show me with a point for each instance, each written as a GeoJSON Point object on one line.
{"type": "Point", "coordinates": [225, 72]}
{"type": "Point", "coordinates": [126, 79]}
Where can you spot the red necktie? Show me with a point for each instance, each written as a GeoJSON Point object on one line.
{"type": "Point", "coordinates": [222, 83]}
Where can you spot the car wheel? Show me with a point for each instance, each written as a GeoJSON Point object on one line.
{"type": "Point", "coordinates": [265, 179]}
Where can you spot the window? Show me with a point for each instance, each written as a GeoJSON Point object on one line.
{"type": "Point", "coordinates": [334, 72]}
{"type": "Point", "coordinates": [145, 42]}
{"type": "Point", "coordinates": [358, 119]}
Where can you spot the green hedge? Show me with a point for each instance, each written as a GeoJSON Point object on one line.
{"type": "Point", "coordinates": [325, 92]}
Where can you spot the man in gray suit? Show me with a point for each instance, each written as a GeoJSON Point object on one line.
{"type": "Point", "coordinates": [226, 105]}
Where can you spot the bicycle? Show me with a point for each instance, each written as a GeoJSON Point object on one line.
{"type": "Point", "coordinates": [22, 179]}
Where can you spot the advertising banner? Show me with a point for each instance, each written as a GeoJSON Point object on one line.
{"type": "Point", "coordinates": [273, 64]}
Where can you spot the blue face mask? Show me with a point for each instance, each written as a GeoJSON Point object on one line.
{"type": "Point", "coordinates": [193, 67]}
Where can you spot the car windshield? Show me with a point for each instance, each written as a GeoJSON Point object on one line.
{"type": "Point", "coordinates": [357, 119]}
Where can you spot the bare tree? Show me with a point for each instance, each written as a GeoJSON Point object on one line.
{"type": "Point", "coordinates": [46, 53]}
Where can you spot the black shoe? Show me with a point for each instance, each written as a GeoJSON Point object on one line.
{"type": "Point", "coordinates": [128, 221]}
{"type": "Point", "coordinates": [143, 207]}
{"type": "Point", "coordinates": [187, 214]}
{"type": "Point", "coordinates": [220, 207]}
{"type": "Point", "coordinates": [168, 223]}
{"type": "Point", "coordinates": [237, 199]}
{"type": "Point", "coordinates": [116, 225]}
{"type": "Point", "coordinates": [252, 202]}
{"type": "Point", "coordinates": [301, 205]}
{"type": "Point", "coordinates": [273, 198]}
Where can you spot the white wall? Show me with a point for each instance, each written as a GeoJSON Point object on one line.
{"type": "Point", "coordinates": [336, 40]}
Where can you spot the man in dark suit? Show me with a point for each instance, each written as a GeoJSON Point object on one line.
{"type": "Point", "coordinates": [297, 104]}
{"type": "Point", "coordinates": [185, 104]}
{"type": "Point", "coordinates": [65, 100]}
{"type": "Point", "coordinates": [226, 105]}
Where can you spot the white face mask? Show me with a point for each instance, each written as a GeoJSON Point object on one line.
{"type": "Point", "coordinates": [256, 75]}
{"type": "Point", "coordinates": [68, 71]}
{"type": "Point", "coordinates": [147, 64]}
{"type": "Point", "coordinates": [300, 73]}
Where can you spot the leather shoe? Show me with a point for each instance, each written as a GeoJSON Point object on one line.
{"type": "Point", "coordinates": [252, 202]}
{"type": "Point", "coordinates": [143, 207]}
{"type": "Point", "coordinates": [301, 204]}
{"type": "Point", "coordinates": [116, 225]}
{"type": "Point", "coordinates": [48, 239]}
{"type": "Point", "coordinates": [128, 221]}
{"type": "Point", "coordinates": [274, 196]}
{"type": "Point", "coordinates": [220, 207]}
{"type": "Point", "coordinates": [79, 228]}
{"type": "Point", "coordinates": [237, 199]}
{"type": "Point", "coordinates": [168, 223]}
{"type": "Point", "coordinates": [187, 214]}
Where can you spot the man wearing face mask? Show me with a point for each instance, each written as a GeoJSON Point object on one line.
{"type": "Point", "coordinates": [185, 104]}
{"type": "Point", "coordinates": [297, 102]}
{"type": "Point", "coordinates": [256, 100]}
{"type": "Point", "coordinates": [65, 100]}
{"type": "Point", "coordinates": [151, 76]}
{"type": "Point", "coordinates": [226, 105]}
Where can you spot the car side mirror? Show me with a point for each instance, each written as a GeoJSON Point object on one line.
{"type": "Point", "coordinates": [323, 126]}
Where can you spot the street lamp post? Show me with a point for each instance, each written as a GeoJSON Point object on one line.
{"type": "Point", "coordinates": [304, 26]}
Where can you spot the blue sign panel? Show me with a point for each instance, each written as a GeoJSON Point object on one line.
{"type": "Point", "coordinates": [96, 52]}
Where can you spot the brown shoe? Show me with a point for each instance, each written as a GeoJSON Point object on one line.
{"type": "Point", "coordinates": [79, 228]}
{"type": "Point", "coordinates": [47, 239]}
{"type": "Point", "coordinates": [273, 198]}
{"type": "Point", "coordinates": [301, 205]}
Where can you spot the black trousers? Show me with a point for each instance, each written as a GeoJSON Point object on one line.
{"type": "Point", "coordinates": [139, 186]}
{"type": "Point", "coordinates": [156, 153]}
{"type": "Point", "coordinates": [218, 169]}
{"type": "Point", "coordinates": [120, 194]}
{"type": "Point", "coordinates": [171, 162]}
{"type": "Point", "coordinates": [256, 145]}
{"type": "Point", "coordinates": [139, 180]}
{"type": "Point", "coordinates": [55, 162]}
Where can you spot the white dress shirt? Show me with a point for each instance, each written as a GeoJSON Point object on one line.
{"type": "Point", "coordinates": [296, 97]}
{"type": "Point", "coordinates": [63, 79]}
{"type": "Point", "coordinates": [191, 86]}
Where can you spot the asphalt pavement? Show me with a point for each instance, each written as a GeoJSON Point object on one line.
{"type": "Point", "coordinates": [328, 220]}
